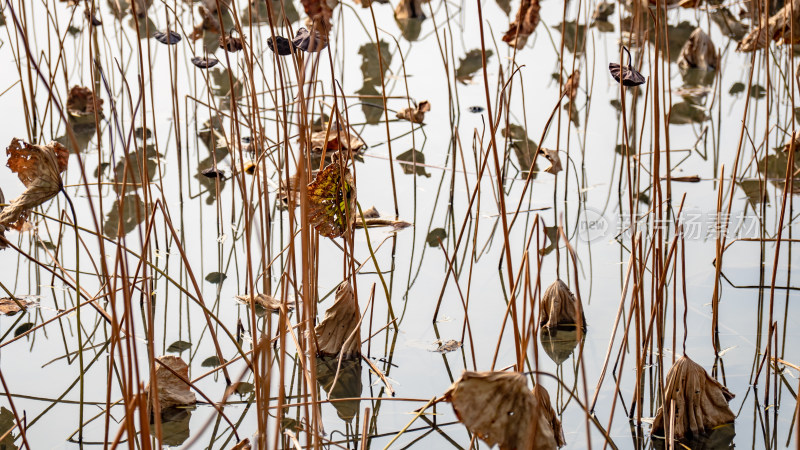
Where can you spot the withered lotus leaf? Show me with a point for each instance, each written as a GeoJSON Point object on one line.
{"type": "Point", "coordinates": [560, 307]}
{"type": "Point", "coordinates": [500, 409]}
{"type": "Point", "coordinates": [243, 445]}
{"type": "Point", "coordinates": [555, 161]}
{"type": "Point", "coordinates": [523, 25]}
{"type": "Point", "coordinates": [265, 301]}
{"type": "Point", "coordinates": [9, 307]}
{"type": "Point", "coordinates": [778, 28]}
{"type": "Point", "coordinates": [628, 76]}
{"type": "Point", "coordinates": [571, 86]}
{"type": "Point", "coordinates": [209, 23]}
{"type": "Point", "coordinates": [699, 52]}
{"type": "Point", "coordinates": [168, 38]}
{"type": "Point", "coordinates": [2, 227]}
{"type": "Point", "coordinates": [541, 396]}
{"type": "Point", "coordinates": [416, 114]}
{"type": "Point", "coordinates": [39, 168]}
{"type": "Point", "coordinates": [280, 46]}
{"type": "Point", "coordinates": [204, 63]}
{"type": "Point", "coordinates": [332, 201]}
{"type": "Point", "coordinates": [410, 9]}
{"type": "Point", "coordinates": [319, 15]}
{"type": "Point", "coordinates": [231, 44]}
{"type": "Point", "coordinates": [336, 139]}
{"type": "Point", "coordinates": [699, 402]}
{"type": "Point", "coordinates": [308, 41]}
{"type": "Point", "coordinates": [82, 104]}
{"type": "Point", "coordinates": [340, 321]}
{"type": "Point", "coordinates": [172, 390]}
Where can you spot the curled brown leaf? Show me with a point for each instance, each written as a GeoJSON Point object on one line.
{"type": "Point", "coordinates": [500, 409]}
{"type": "Point", "coordinates": [338, 332]}
{"type": "Point", "coordinates": [416, 114]}
{"type": "Point", "coordinates": [172, 390]}
{"type": "Point", "coordinates": [778, 28]}
{"type": "Point", "coordinates": [555, 161]}
{"type": "Point", "coordinates": [560, 307]}
{"type": "Point", "coordinates": [698, 52]}
{"type": "Point", "coordinates": [523, 25]}
{"type": "Point", "coordinates": [319, 16]}
{"type": "Point", "coordinates": [39, 168]}
{"type": "Point", "coordinates": [82, 105]}
{"type": "Point", "coordinates": [699, 402]}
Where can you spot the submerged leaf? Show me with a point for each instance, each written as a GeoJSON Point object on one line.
{"type": "Point", "coordinates": [338, 332]}
{"type": "Point", "coordinates": [602, 11]}
{"type": "Point", "coordinates": [471, 63]}
{"type": "Point", "coordinates": [436, 235]}
{"type": "Point", "coordinates": [416, 114]}
{"type": "Point", "coordinates": [523, 25]}
{"type": "Point", "coordinates": [172, 390]}
{"type": "Point", "coordinates": [211, 361]}
{"type": "Point", "coordinates": [332, 201]}
{"type": "Point", "coordinates": [500, 409]}
{"type": "Point", "coordinates": [699, 402]}
{"type": "Point", "coordinates": [22, 329]}
{"type": "Point", "coordinates": [216, 277]}
{"type": "Point", "coordinates": [39, 168]}
{"type": "Point", "coordinates": [413, 162]}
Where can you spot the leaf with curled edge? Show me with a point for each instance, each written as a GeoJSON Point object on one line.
{"type": "Point", "coordinates": [416, 114]}
{"type": "Point", "coordinates": [500, 409]}
{"type": "Point", "coordinates": [523, 25]}
{"type": "Point", "coordinates": [332, 201]}
{"type": "Point", "coordinates": [39, 168]}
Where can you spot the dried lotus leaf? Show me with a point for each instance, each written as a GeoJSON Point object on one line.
{"type": "Point", "coordinates": [416, 114]}
{"type": "Point", "coordinates": [172, 390]}
{"type": "Point", "coordinates": [500, 409]}
{"type": "Point", "coordinates": [332, 201]}
{"type": "Point", "coordinates": [699, 402]}
{"type": "Point", "coordinates": [555, 161]}
{"type": "Point", "coordinates": [778, 28]}
{"type": "Point", "coordinates": [541, 396]}
{"type": "Point", "coordinates": [698, 52]}
{"type": "Point", "coordinates": [39, 168]}
{"type": "Point", "coordinates": [560, 307]}
{"type": "Point", "coordinates": [523, 25]}
{"type": "Point", "coordinates": [319, 14]}
{"type": "Point", "coordinates": [265, 301]}
{"type": "Point", "coordinates": [340, 321]}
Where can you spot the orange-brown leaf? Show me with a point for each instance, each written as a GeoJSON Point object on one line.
{"type": "Point", "coordinates": [332, 201]}
{"type": "Point", "coordinates": [524, 24]}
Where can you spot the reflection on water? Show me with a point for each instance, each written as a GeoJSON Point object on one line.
{"type": "Point", "coordinates": [341, 382]}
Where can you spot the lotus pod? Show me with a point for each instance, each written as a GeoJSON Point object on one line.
{"type": "Point", "coordinates": [500, 409]}
{"type": "Point", "coordinates": [699, 403]}
{"type": "Point", "coordinates": [560, 307]}
{"type": "Point", "coordinates": [334, 332]}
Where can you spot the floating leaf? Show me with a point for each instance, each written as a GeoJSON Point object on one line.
{"type": "Point", "coordinates": [475, 109]}
{"type": "Point", "coordinates": [338, 332]}
{"type": "Point", "coordinates": [700, 402]}
{"type": "Point", "coordinates": [213, 172]}
{"type": "Point", "coordinates": [22, 329]}
{"type": "Point", "coordinates": [172, 390]}
{"type": "Point", "coordinates": [332, 201]}
{"type": "Point", "coordinates": [168, 38]}
{"type": "Point", "coordinates": [243, 387]}
{"type": "Point", "coordinates": [280, 45]}
{"type": "Point", "coordinates": [500, 409]}
{"type": "Point", "coordinates": [204, 63]}
{"type": "Point", "coordinates": [524, 148]}
{"type": "Point", "coordinates": [179, 347]}
{"type": "Point", "coordinates": [125, 215]}
{"type": "Point", "coordinates": [448, 346]}
{"type": "Point", "coordinates": [267, 302]}
{"type": "Point", "coordinates": [7, 421]}
{"type": "Point", "coordinates": [39, 168]}
{"type": "Point", "coordinates": [699, 52]}
{"type": "Point", "coordinates": [757, 91]}
{"type": "Point", "coordinates": [211, 361]}
{"type": "Point", "coordinates": [416, 114]}
{"type": "Point", "coordinates": [9, 307]}
{"type": "Point", "coordinates": [371, 72]}
{"type": "Point", "coordinates": [523, 25]}
{"type": "Point", "coordinates": [216, 277]}
{"type": "Point", "coordinates": [308, 42]}
{"type": "Point", "coordinates": [560, 307]}
{"type": "Point", "coordinates": [436, 235]}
